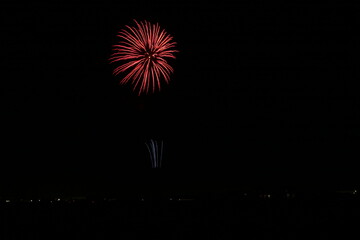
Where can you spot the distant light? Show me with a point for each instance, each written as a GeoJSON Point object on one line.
{"type": "Point", "coordinates": [58, 199]}
{"type": "Point", "coordinates": [7, 201]}
{"type": "Point", "coordinates": [268, 196]}
{"type": "Point", "coordinates": [142, 200]}
{"type": "Point", "coordinates": [185, 199]}
{"type": "Point", "coordinates": [31, 200]}
{"type": "Point", "coordinates": [171, 199]}
{"type": "Point", "coordinates": [38, 200]}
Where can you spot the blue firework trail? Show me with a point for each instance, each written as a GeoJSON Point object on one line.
{"type": "Point", "coordinates": [156, 152]}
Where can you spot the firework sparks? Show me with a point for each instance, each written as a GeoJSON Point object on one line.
{"type": "Point", "coordinates": [142, 54]}
{"type": "Point", "coordinates": [156, 152]}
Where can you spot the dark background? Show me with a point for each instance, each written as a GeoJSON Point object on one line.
{"type": "Point", "coordinates": [261, 95]}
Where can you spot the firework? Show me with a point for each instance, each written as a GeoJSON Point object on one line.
{"type": "Point", "coordinates": [156, 152]}
{"type": "Point", "coordinates": [142, 56]}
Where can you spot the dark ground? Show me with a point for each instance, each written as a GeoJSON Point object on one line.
{"type": "Point", "coordinates": [262, 214]}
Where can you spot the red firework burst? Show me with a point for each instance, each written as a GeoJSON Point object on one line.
{"type": "Point", "coordinates": [142, 54]}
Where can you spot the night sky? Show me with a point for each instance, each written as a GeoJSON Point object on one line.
{"type": "Point", "coordinates": [260, 95]}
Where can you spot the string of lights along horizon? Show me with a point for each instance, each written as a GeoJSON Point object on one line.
{"type": "Point", "coordinates": [142, 54]}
